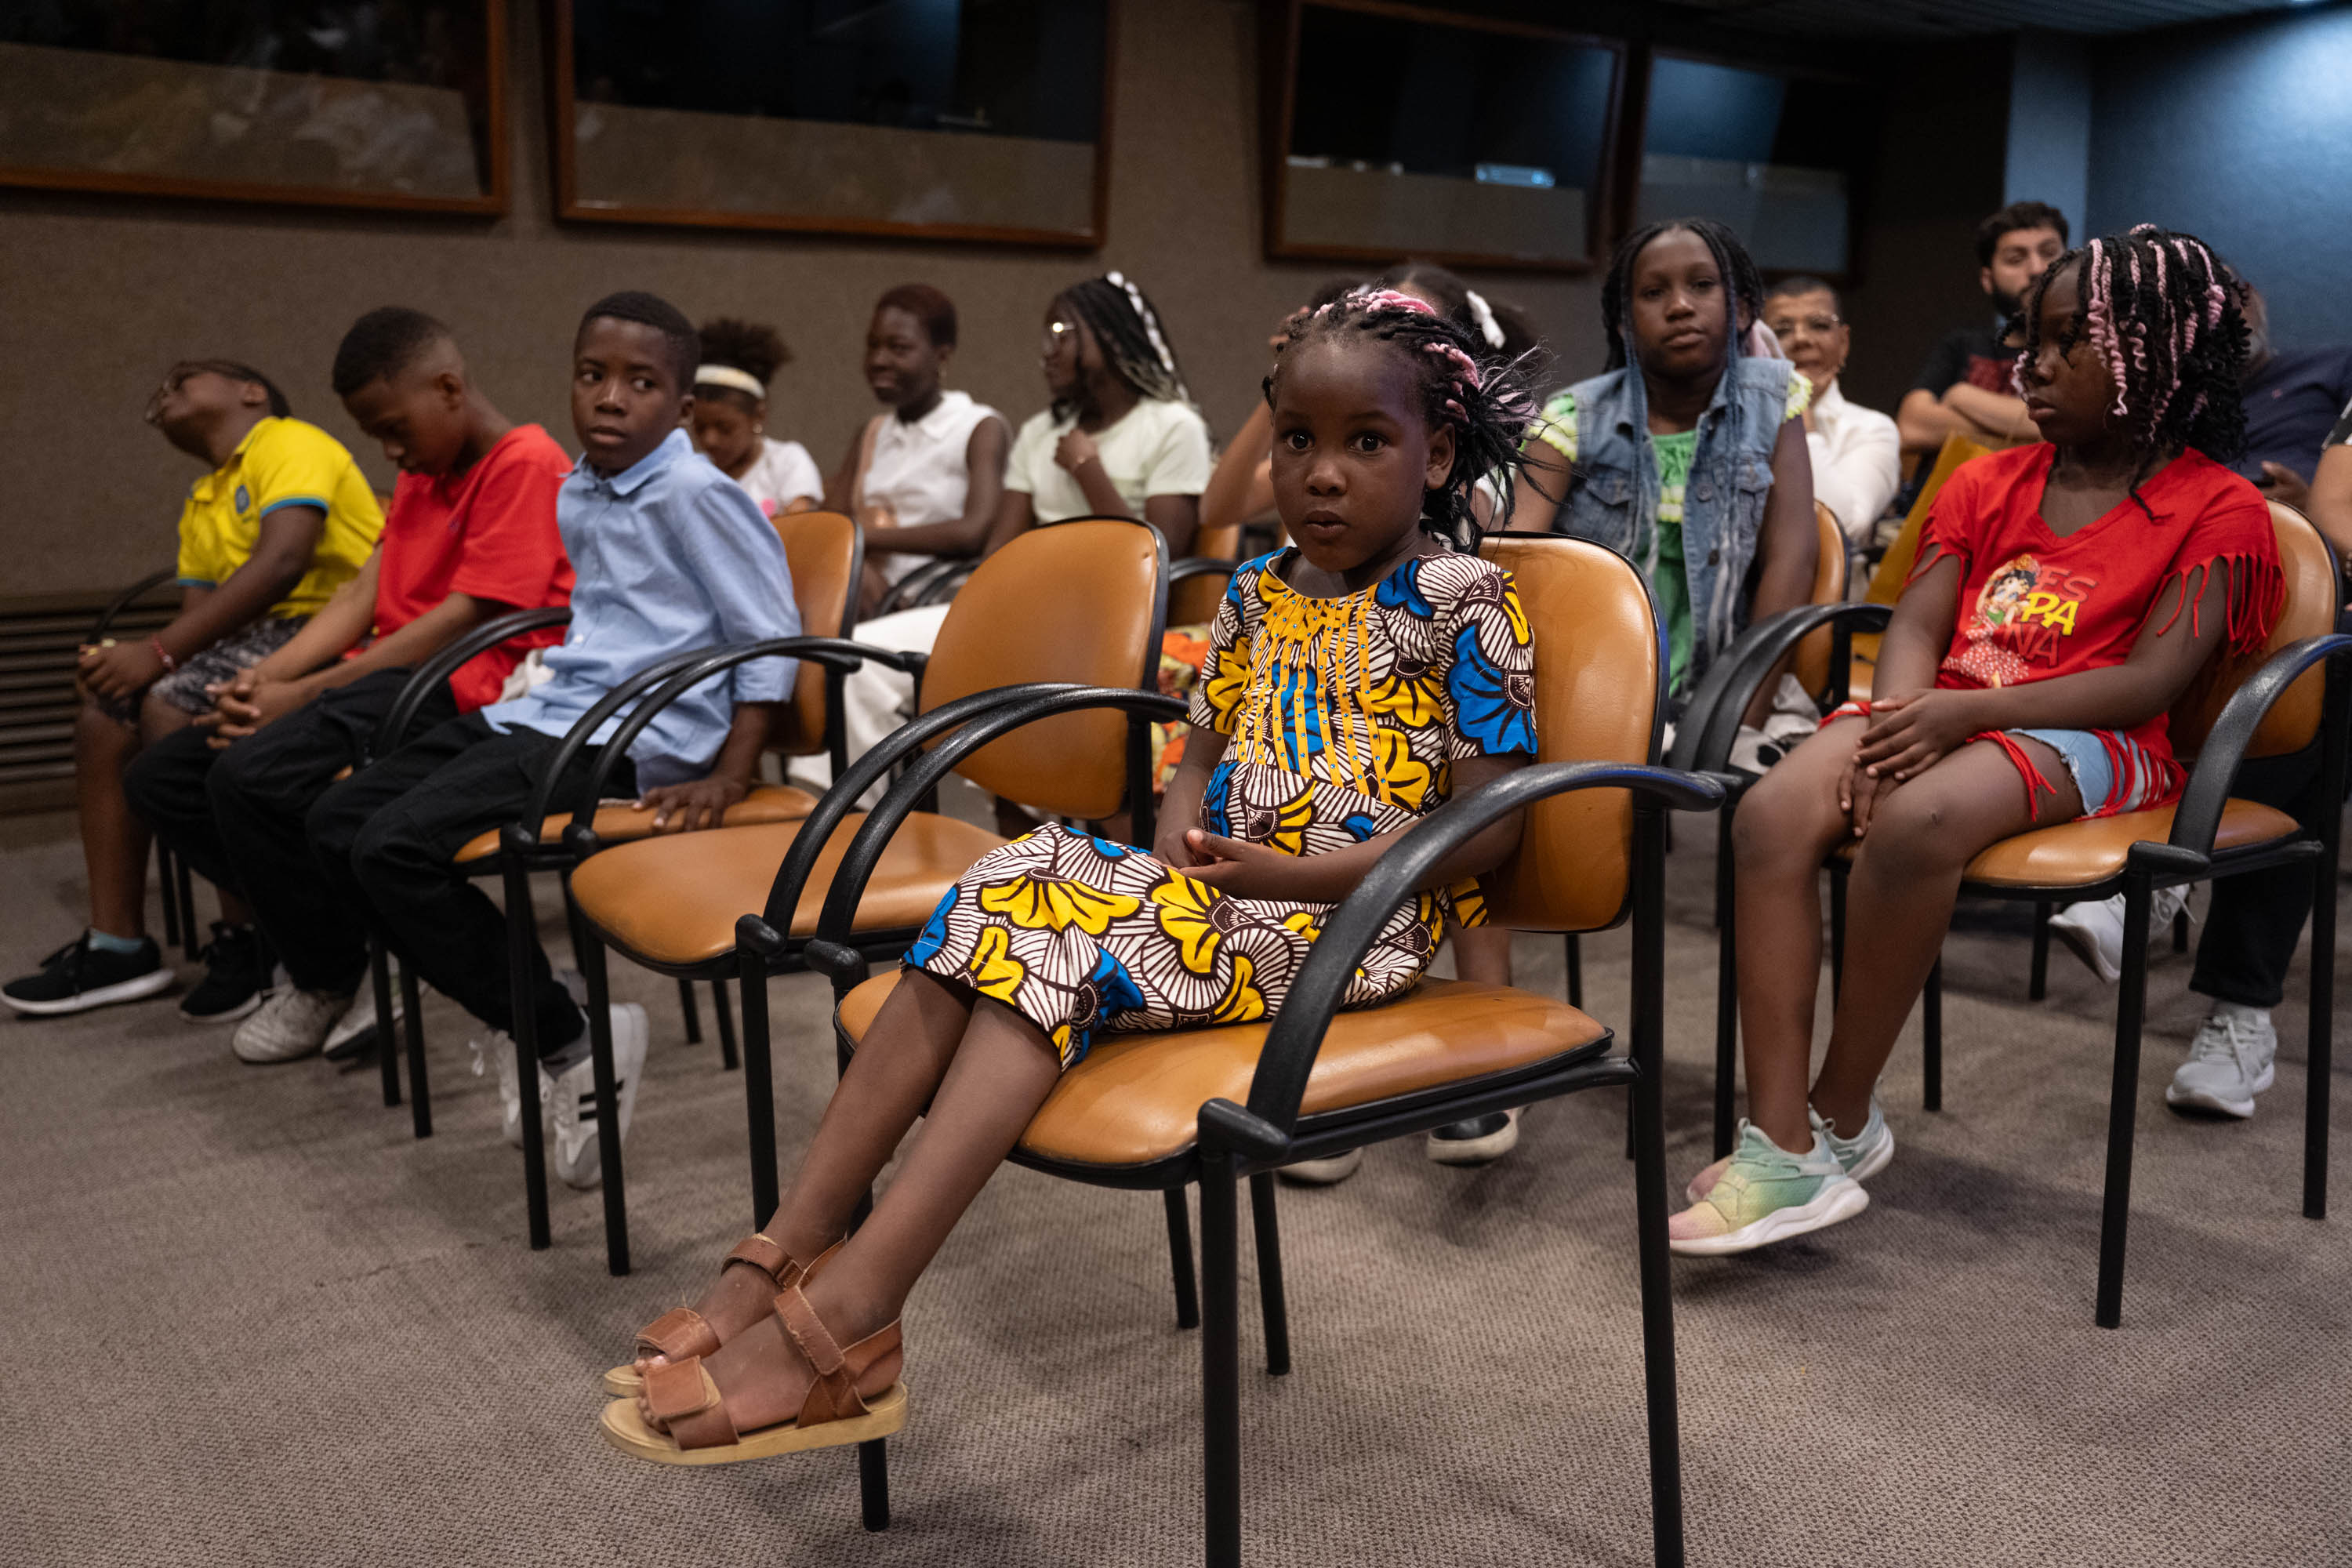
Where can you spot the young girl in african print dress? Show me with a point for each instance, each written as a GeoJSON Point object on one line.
{"type": "Point", "coordinates": [2066, 595]}
{"type": "Point", "coordinates": [1357, 680]}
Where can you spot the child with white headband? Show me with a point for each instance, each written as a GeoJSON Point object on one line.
{"type": "Point", "coordinates": [729, 422]}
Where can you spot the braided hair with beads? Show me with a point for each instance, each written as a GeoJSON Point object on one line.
{"type": "Point", "coordinates": [2168, 317]}
{"type": "Point", "coordinates": [1465, 386]}
{"type": "Point", "coordinates": [1742, 284]}
{"type": "Point", "coordinates": [1126, 328]}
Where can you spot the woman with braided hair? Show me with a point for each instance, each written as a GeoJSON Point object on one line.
{"type": "Point", "coordinates": [2066, 594]}
{"type": "Point", "coordinates": [1361, 678]}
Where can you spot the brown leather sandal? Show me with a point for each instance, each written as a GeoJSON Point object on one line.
{"type": "Point", "coordinates": [683, 1332]}
{"type": "Point", "coordinates": [699, 1431]}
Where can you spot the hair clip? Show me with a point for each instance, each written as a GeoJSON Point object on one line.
{"type": "Point", "coordinates": [1481, 313]}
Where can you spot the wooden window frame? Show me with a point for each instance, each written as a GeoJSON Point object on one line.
{"type": "Point", "coordinates": [490, 204]}
{"type": "Point", "coordinates": [561, 109]}
{"type": "Point", "coordinates": [1281, 48]}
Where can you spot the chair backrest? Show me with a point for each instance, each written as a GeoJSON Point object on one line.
{"type": "Point", "coordinates": [1598, 667]}
{"type": "Point", "coordinates": [1812, 661]}
{"type": "Point", "coordinates": [1895, 566]}
{"type": "Point", "coordinates": [2307, 609]}
{"type": "Point", "coordinates": [826, 552]}
{"type": "Point", "coordinates": [1081, 601]}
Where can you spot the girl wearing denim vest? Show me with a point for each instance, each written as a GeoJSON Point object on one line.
{"type": "Point", "coordinates": [1691, 458]}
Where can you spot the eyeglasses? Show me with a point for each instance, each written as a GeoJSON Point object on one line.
{"type": "Point", "coordinates": [1056, 334]}
{"type": "Point", "coordinates": [1819, 326]}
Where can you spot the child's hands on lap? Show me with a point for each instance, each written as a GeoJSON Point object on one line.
{"type": "Point", "coordinates": [1245, 871]}
{"type": "Point", "coordinates": [1910, 734]}
{"type": "Point", "coordinates": [687, 807]}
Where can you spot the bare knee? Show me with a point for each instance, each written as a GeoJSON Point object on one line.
{"type": "Point", "coordinates": [1915, 833]}
{"type": "Point", "coordinates": [1784, 822]}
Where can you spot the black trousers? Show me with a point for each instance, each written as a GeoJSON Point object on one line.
{"type": "Point", "coordinates": [382, 840]}
{"type": "Point", "coordinates": [2256, 919]}
{"type": "Point", "coordinates": [236, 817]}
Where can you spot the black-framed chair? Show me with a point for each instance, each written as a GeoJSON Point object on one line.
{"type": "Point", "coordinates": [2271, 703]}
{"type": "Point", "coordinates": [1215, 1105]}
{"type": "Point", "coordinates": [673, 905]}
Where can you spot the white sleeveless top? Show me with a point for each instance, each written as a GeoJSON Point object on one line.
{"type": "Point", "coordinates": [917, 470]}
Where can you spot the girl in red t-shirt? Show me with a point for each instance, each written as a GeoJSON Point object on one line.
{"type": "Point", "coordinates": [2066, 595]}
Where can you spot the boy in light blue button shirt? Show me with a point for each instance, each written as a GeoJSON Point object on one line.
{"type": "Point", "coordinates": [671, 555]}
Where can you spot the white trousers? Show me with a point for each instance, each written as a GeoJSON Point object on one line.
{"type": "Point", "coordinates": [876, 698]}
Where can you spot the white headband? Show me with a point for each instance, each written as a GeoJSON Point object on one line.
{"type": "Point", "coordinates": [728, 375]}
{"type": "Point", "coordinates": [1484, 314]}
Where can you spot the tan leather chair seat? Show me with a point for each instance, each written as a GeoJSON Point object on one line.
{"type": "Point", "coordinates": [623, 824]}
{"type": "Point", "coordinates": [2078, 854]}
{"type": "Point", "coordinates": [676, 899]}
{"type": "Point", "coordinates": [1138, 1097]}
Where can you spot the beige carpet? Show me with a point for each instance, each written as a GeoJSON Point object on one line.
{"type": "Point", "coordinates": [252, 1320]}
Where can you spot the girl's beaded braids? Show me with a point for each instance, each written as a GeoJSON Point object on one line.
{"type": "Point", "coordinates": [1481, 396]}
{"type": "Point", "coordinates": [2169, 320]}
{"type": "Point", "coordinates": [1126, 328]}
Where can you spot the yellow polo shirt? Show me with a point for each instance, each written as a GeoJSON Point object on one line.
{"type": "Point", "coordinates": [280, 462]}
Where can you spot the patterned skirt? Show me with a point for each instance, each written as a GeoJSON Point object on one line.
{"type": "Point", "coordinates": [1080, 935]}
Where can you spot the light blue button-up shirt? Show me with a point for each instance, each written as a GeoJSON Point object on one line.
{"type": "Point", "coordinates": [670, 555]}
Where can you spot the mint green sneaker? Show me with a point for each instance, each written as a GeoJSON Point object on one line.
{"type": "Point", "coordinates": [1864, 1155]}
{"type": "Point", "coordinates": [1766, 1195]}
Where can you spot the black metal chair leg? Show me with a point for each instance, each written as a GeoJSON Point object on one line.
{"type": "Point", "coordinates": [1220, 1396]}
{"type": "Point", "coordinates": [420, 1097]}
{"type": "Point", "coordinates": [723, 1015]}
{"type": "Point", "coordinates": [388, 1054]}
{"type": "Point", "coordinates": [758, 1086]}
{"type": "Point", "coordinates": [2123, 1104]}
{"type": "Point", "coordinates": [1723, 867]}
{"type": "Point", "coordinates": [2037, 981]}
{"type": "Point", "coordinates": [2319, 1064]}
{"type": "Point", "coordinates": [2180, 931]}
{"type": "Point", "coordinates": [521, 932]}
{"type": "Point", "coordinates": [1271, 1302]}
{"type": "Point", "coordinates": [1837, 930]}
{"type": "Point", "coordinates": [874, 1483]}
{"type": "Point", "coordinates": [1726, 1026]}
{"type": "Point", "coordinates": [693, 1011]}
{"type": "Point", "coordinates": [1575, 970]}
{"type": "Point", "coordinates": [1180, 1260]}
{"type": "Point", "coordinates": [1647, 1100]}
{"type": "Point", "coordinates": [608, 1109]}
{"type": "Point", "coordinates": [1931, 1039]}
{"type": "Point", "coordinates": [170, 888]}
{"type": "Point", "coordinates": [183, 881]}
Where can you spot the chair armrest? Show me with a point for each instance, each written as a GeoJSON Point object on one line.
{"type": "Point", "coordinates": [1711, 721]}
{"type": "Point", "coordinates": [942, 588]}
{"type": "Point", "coordinates": [1297, 1035]}
{"type": "Point", "coordinates": [1199, 566]}
{"type": "Point", "coordinates": [865, 851]}
{"type": "Point", "coordinates": [579, 834]}
{"type": "Point", "coordinates": [391, 734]}
{"type": "Point", "coordinates": [2198, 816]}
{"type": "Point", "coordinates": [128, 597]}
{"type": "Point", "coordinates": [908, 591]}
{"type": "Point", "coordinates": [767, 931]}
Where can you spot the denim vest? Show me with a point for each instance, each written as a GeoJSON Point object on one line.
{"type": "Point", "coordinates": [1614, 489]}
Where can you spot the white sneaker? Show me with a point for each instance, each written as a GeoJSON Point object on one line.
{"type": "Point", "coordinates": [1864, 1155]}
{"type": "Point", "coordinates": [2230, 1062]}
{"type": "Point", "coordinates": [1323, 1173]}
{"type": "Point", "coordinates": [1480, 1140]}
{"type": "Point", "coordinates": [499, 1049]}
{"type": "Point", "coordinates": [289, 1025]}
{"type": "Point", "coordinates": [574, 1090]}
{"type": "Point", "coordinates": [357, 1020]}
{"type": "Point", "coordinates": [2094, 931]}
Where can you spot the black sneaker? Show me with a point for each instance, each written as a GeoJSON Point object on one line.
{"type": "Point", "coordinates": [236, 973]}
{"type": "Point", "coordinates": [1477, 1141]}
{"type": "Point", "coordinates": [78, 977]}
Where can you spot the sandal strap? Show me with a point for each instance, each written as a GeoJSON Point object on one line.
{"type": "Point", "coordinates": [685, 1400]}
{"type": "Point", "coordinates": [679, 1334]}
{"type": "Point", "coordinates": [763, 1255]}
{"type": "Point", "coordinates": [834, 1396]}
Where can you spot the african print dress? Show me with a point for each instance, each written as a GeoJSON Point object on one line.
{"type": "Point", "coordinates": [1343, 720]}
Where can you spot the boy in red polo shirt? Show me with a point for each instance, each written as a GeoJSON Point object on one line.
{"type": "Point", "coordinates": [470, 535]}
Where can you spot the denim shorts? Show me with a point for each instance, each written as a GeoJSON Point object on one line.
{"type": "Point", "coordinates": [2086, 759]}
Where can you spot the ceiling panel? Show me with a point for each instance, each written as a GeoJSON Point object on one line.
{"type": "Point", "coordinates": [1953, 18]}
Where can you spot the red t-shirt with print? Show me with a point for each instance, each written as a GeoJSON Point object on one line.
{"type": "Point", "coordinates": [2033, 606]}
{"type": "Point", "coordinates": [489, 533]}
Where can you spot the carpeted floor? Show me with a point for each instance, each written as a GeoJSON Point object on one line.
{"type": "Point", "coordinates": [252, 1320]}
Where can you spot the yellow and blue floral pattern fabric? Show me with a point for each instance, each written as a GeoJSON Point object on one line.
{"type": "Point", "coordinates": [1343, 719]}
